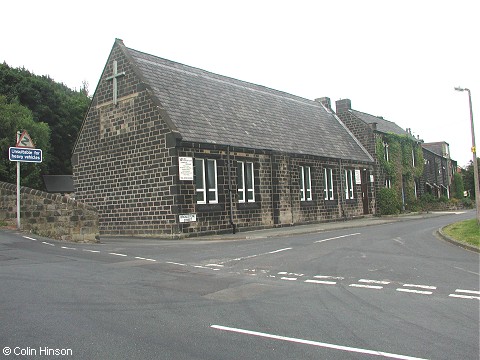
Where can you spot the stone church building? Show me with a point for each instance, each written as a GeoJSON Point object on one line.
{"type": "Point", "coordinates": [172, 150]}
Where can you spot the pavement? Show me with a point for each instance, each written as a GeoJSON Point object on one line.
{"type": "Point", "coordinates": [368, 220]}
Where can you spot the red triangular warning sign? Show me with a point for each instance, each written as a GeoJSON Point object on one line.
{"type": "Point", "coordinates": [25, 141]}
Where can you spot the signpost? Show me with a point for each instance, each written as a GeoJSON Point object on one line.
{"type": "Point", "coordinates": [24, 155]}
{"type": "Point", "coordinates": [24, 151]}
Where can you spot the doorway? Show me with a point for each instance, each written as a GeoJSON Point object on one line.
{"type": "Point", "coordinates": [365, 199]}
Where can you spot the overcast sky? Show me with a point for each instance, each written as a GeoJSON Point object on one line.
{"type": "Point", "coordinates": [396, 59]}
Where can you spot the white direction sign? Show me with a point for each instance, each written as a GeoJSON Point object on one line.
{"type": "Point", "coordinates": [25, 154]}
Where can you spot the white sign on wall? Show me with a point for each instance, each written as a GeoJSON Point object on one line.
{"type": "Point", "coordinates": [185, 168]}
{"type": "Point", "coordinates": [371, 178]}
{"type": "Point", "coordinates": [183, 218]}
{"type": "Point", "coordinates": [358, 177]}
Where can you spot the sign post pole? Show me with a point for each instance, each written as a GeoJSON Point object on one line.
{"type": "Point", "coordinates": [18, 187]}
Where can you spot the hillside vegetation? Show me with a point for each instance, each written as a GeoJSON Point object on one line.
{"type": "Point", "coordinates": [49, 111]}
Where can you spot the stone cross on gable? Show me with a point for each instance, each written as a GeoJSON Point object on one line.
{"type": "Point", "coordinates": [114, 77]}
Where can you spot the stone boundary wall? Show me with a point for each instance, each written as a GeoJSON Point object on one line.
{"type": "Point", "coordinates": [50, 215]}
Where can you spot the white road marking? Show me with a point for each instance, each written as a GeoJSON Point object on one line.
{"type": "Point", "coordinates": [175, 263]}
{"type": "Point", "coordinates": [117, 254]}
{"type": "Point", "coordinates": [280, 250]}
{"type": "Point", "coordinates": [288, 278]}
{"type": "Point", "coordinates": [367, 286]}
{"type": "Point", "coordinates": [256, 255]}
{"type": "Point", "coordinates": [415, 291]}
{"type": "Point", "coordinates": [336, 237]}
{"type": "Point", "coordinates": [29, 238]}
{"type": "Point", "coordinates": [464, 296]}
{"type": "Point", "coordinates": [47, 243]}
{"type": "Point", "coordinates": [468, 291]}
{"type": "Point", "coordinates": [325, 282]}
{"type": "Point", "coordinates": [289, 273]}
{"type": "Point", "coordinates": [142, 258]}
{"type": "Point", "coordinates": [328, 277]}
{"type": "Point", "coordinates": [68, 248]}
{"type": "Point", "coordinates": [92, 251]}
{"type": "Point", "coordinates": [374, 281]}
{"type": "Point", "coordinates": [421, 286]}
{"type": "Point", "coordinates": [315, 343]}
{"type": "Point", "coordinates": [214, 265]}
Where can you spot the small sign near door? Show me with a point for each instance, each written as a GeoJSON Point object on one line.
{"type": "Point", "coordinates": [358, 177]}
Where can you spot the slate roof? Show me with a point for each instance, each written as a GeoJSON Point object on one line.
{"type": "Point", "coordinates": [210, 108]}
{"type": "Point", "coordinates": [383, 125]}
{"type": "Point", "coordinates": [435, 147]}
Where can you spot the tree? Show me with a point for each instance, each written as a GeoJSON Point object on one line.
{"type": "Point", "coordinates": [468, 178]}
{"type": "Point", "coordinates": [457, 186]}
{"type": "Point", "coordinates": [51, 103]}
{"type": "Point", "coordinates": [15, 117]}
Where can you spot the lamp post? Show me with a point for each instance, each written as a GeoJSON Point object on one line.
{"type": "Point", "coordinates": [474, 151]}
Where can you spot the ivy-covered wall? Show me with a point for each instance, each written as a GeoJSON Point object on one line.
{"type": "Point", "coordinates": [404, 166]}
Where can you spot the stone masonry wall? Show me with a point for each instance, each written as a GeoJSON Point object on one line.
{"type": "Point", "coordinates": [277, 191]}
{"type": "Point", "coordinates": [122, 165]}
{"type": "Point", "coordinates": [49, 215]}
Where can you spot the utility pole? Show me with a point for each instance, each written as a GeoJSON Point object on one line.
{"type": "Point", "coordinates": [474, 151]}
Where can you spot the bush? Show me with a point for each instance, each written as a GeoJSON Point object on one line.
{"type": "Point", "coordinates": [467, 203]}
{"type": "Point", "coordinates": [388, 202]}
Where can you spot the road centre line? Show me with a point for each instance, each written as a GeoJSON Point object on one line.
{"type": "Point", "coordinates": [256, 255]}
{"type": "Point", "coordinates": [336, 237]}
{"type": "Point", "coordinates": [92, 251]}
{"type": "Point", "coordinates": [117, 254]}
{"type": "Point", "coordinates": [280, 250]}
{"type": "Point", "coordinates": [29, 238]}
{"type": "Point", "coordinates": [68, 248]}
{"type": "Point", "coordinates": [142, 258]}
{"type": "Point", "coordinates": [288, 278]}
{"type": "Point", "coordinates": [47, 243]}
{"type": "Point", "coordinates": [175, 263]}
{"type": "Point", "coordinates": [315, 343]}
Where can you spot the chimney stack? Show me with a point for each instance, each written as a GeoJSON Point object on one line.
{"type": "Point", "coordinates": [343, 105]}
{"type": "Point", "coordinates": [325, 101]}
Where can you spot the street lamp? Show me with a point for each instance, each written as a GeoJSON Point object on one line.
{"type": "Point", "coordinates": [474, 151]}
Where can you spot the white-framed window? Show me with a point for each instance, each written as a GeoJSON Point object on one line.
{"type": "Point", "coordinates": [328, 178]}
{"type": "Point", "coordinates": [388, 182]}
{"type": "Point", "coordinates": [305, 183]}
{"type": "Point", "coordinates": [206, 181]}
{"type": "Point", "coordinates": [245, 182]}
{"type": "Point", "coordinates": [386, 155]}
{"type": "Point", "coordinates": [348, 184]}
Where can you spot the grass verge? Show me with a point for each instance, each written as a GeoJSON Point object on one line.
{"type": "Point", "coordinates": [467, 232]}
